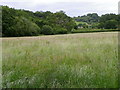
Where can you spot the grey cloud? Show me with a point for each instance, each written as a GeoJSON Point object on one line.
{"type": "Point", "coordinates": [71, 8]}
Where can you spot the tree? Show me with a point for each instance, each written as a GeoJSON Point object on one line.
{"type": "Point", "coordinates": [118, 20]}
{"type": "Point", "coordinates": [8, 19]}
{"type": "Point", "coordinates": [59, 30]}
{"type": "Point", "coordinates": [107, 17]}
{"type": "Point", "coordinates": [89, 18]}
{"type": "Point", "coordinates": [17, 22]}
{"type": "Point", "coordinates": [47, 30]}
{"type": "Point", "coordinates": [108, 21]}
{"type": "Point", "coordinates": [111, 24]}
{"type": "Point", "coordinates": [23, 27]}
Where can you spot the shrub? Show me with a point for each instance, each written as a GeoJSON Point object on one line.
{"type": "Point", "coordinates": [47, 30]}
{"type": "Point", "coordinates": [61, 31]}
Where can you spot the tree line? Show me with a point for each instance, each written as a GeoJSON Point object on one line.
{"type": "Point", "coordinates": [27, 23]}
{"type": "Point", "coordinates": [107, 21]}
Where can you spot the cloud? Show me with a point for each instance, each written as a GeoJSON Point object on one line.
{"type": "Point", "coordinates": [71, 7]}
{"type": "Point", "coordinates": [53, 1]}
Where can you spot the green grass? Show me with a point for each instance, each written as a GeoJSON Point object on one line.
{"type": "Point", "coordinates": [61, 61]}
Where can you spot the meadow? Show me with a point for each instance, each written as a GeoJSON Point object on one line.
{"type": "Point", "coordinates": [85, 60]}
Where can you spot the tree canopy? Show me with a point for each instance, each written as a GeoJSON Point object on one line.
{"type": "Point", "coordinates": [27, 23]}
{"type": "Point", "coordinates": [17, 22]}
{"type": "Point", "coordinates": [107, 21]}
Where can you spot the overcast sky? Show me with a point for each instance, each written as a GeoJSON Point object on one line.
{"type": "Point", "coordinates": [71, 7]}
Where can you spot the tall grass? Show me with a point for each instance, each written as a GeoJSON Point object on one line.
{"type": "Point", "coordinates": [61, 61]}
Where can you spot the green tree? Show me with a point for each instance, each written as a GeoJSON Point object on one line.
{"type": "Point", "coordinates": [108, 21]}
{"type": "Point", "coordinates": [59, 30]}
{"type": "Point", "coordinates": [23, 27]}
{"type": "Point", "coordinates": [111, 24]}
{"type": "Point", "coordinates": [23, 22]}
{"type": "Point", "coordinates": [8, 19]}
{"type": "Point", "coordinates": [47, 30]}
{"type": "Point", "coordinates": [89, 18]}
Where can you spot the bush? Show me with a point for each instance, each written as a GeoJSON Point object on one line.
{"type": "Point", "coordinates": [93, 30]}
{"type": "Point", "coordinates": [61, 31]}
{"type": "Point", "coordinates": [47, 30]}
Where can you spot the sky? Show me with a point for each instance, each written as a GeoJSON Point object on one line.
{"type": "Point", "coordinates": [71, 7]}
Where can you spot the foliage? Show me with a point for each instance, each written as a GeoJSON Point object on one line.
{"type": "Point", "coordinates": [84, 30]}
{"type": "Point", "coordinates": [47, 30]}
{"type": "Point", "coordinates": [8, 17]}
{"type": "Point", "coordinates": [26, 23]}
{"type": "Point", "coordinates": [55, 20]}
{"type": "Point", "coordinates": [61, 31]}
{"type": "Point", "coordinates": [118, 19]}
{"type": "Point", "coordinates": [24, 27]}
{"type": "Point", "coordinates": [16, 23]}
{"type": "Point", "coordinates": [108, 21]}
{"type": "Point", "coordinates": [111, 24]}
{"type": "Point", "coordinates": [89, 18]}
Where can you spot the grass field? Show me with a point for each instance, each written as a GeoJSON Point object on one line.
{"type": "Point", "coordinates": [87, 60]}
